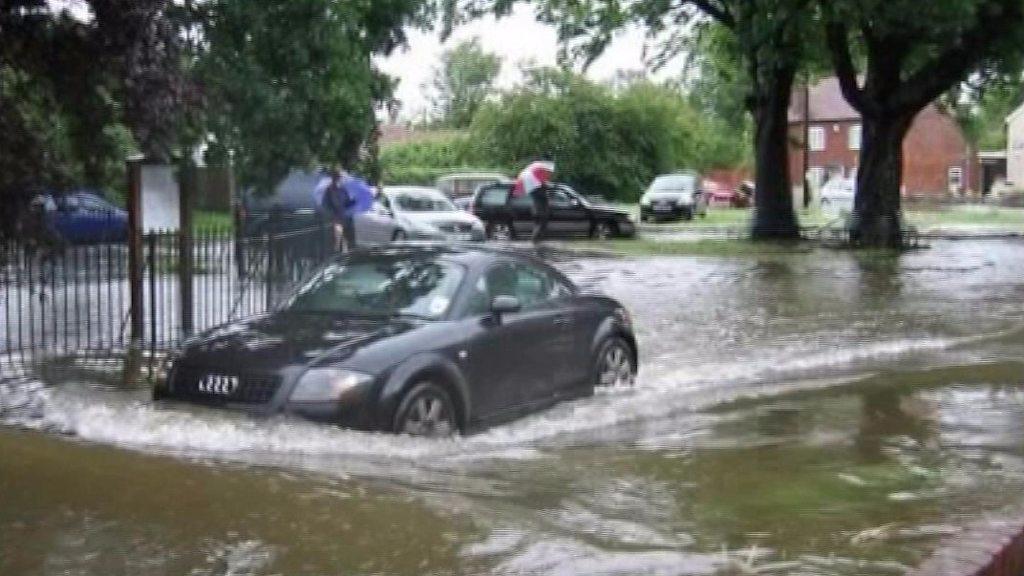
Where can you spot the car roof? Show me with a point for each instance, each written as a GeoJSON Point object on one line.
{"type": "Point", "coordinates": [468, 175]}
{"type": "Point", "coordinates": [415, 189]}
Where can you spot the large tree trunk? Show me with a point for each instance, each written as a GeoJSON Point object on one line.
{"type": "Point", "coordinates": [876, 212]}
{"type": "Point", "coordinates": [774, 217]}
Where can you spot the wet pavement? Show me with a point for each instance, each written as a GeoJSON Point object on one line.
{"type": "Point", "coordinates": [816, 413]}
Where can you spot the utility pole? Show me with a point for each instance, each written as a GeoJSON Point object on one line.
{"type": "Point", "coordinates": [807, 140]}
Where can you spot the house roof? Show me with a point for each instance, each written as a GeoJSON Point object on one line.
{"type": "Point", "coordinates": [826, 103]}
{"type": "Point", "coordinates": [395, 133]}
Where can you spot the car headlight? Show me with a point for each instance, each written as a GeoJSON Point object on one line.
{"type": "Point", "coordinates": [326, 384]}
{"type": "Point", "coordinates": [645, 200]}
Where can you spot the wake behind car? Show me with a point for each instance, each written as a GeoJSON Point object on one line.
{"type": "Point", "coordinates": [508, 217]}
{"type": "Point", "coordinates": [673, 196]}
{"type": "Point", "coordinates": [420, 339]}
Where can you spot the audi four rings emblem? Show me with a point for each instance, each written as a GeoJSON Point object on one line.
{"type": "Point", "coordinates": [218, 384]}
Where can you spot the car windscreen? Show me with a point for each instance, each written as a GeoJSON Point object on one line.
{"type": "Point", "coordinates": [675, 183]}
{"type": "Point", "coordinates": [421, 202]}
{"type": "Point", "coordinates": [421, 287]}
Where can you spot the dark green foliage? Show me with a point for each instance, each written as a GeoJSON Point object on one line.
{"type": "Point", "coordinates": [462, 82]}
{"type": "Point", "coordinates": [293, 83]}
{"type": "Point", "coordinates": [78, 95]}
{"type": "Point", "coordinates": [603, 142]}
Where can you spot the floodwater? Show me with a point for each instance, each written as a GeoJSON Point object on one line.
{"type": "Point", "coordinates": [815, 413]}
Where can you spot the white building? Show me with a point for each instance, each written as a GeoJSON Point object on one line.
{"type": "Point", "coordinates": [1015, 148]}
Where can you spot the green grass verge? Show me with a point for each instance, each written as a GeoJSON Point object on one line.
{"type": "Point", "coordinates": [708, 247]}
{"type": "Point", "coordinates": [204, 220]}
{"type": "Point", "coordinates": [969, 215]}
{"type": "Point", "coordinates": [924, 219]}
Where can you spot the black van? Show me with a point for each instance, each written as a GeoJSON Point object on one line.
{"type": "Point", "coordinates": [509, 217]}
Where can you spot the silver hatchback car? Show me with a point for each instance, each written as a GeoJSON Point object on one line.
{"type": "Point", "coordinates": [416, 213]}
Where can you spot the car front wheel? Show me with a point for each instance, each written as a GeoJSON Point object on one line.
{"type": "Point", "coordinates": [426, 410]}
{"type": "Point", "coordinates": [603, 231]}
{"type": "Point", "coordinates": [399, 236]}
{"type": "Point", "coordinates": [615, 366]}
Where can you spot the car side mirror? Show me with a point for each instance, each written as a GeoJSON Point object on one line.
{"type": "Point", "coordinates": [505, 305]}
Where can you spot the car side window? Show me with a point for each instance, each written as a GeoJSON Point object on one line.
{"type": "Point", "coordinates": [522, 201]}
{"type": "Point", "coordinates": [529, 285]}
{"type": "Point", "coordinates": [533, 286]}
{"type": "Point", "coordinates": [69, 203]}
{"type": "Point", "coordinates": [559, 199]}
{"type": "Point", "coordinates": [499, 280]}
{"type": "Point", "coordinates": [94, 205]}
{"type": "Point", "coordinates": [496, 196]}
{"type": "Point", "coordinates": [559, 289]}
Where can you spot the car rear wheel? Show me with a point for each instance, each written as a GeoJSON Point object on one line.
{"type": "Point", "coordinates": [427, 410]}
{"type": "Point", "coordinates": [500, 231]}
{"type": "Point", "coordinates": [615, 366]}
{"type": "Point", "coordinates": [399, 236]}
{"type": "Point", "coordinates": [603, 231]}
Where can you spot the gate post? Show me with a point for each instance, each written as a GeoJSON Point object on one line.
{"type": "Point", "coordinates": [135, 306]}
{"type": "Point", "coordinates": [271, 263]}
{"type": "Point", "coordinates": [185, 260]}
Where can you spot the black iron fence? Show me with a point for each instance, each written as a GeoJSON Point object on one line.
{"type": "Point", "coordinates": [76, 298]}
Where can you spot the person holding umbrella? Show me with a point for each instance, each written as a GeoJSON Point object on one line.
{"type": "Point", "coordinates": [343, 197]}
{"type": "Point", "coordinates": [533, 180]}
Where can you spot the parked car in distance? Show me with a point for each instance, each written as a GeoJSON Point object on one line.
{"type": "Point", "coordinates": [288, 207]}
{"type": "Point", "coordinates": [83, 217]}
{"type": "Point", "coordinates": [465, 203]}
{"type": "Point", "coordinates": [426, 340]}
{"type": "Point", "coordinates": [416, 213]}
{"type": "Point", "coordinates": [463, 185]}
{"type": "Point", "coordinates": [836, 196]}
{"type": "Point", "coordinates": [508, 217]}
{"type": "Point", "coordinates": [719, 194]}
{"type": "Point", "coordinates": [673, 196]}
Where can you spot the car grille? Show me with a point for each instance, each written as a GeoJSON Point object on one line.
{"type": "Point", "coordinates": [455, 228]}
{"type": "Point", "coordinates": [218, 386]}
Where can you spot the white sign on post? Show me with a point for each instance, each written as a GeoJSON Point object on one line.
{"type": "Point", "coordinates": [159, 202]}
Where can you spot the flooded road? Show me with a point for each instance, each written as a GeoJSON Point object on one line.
{"type": "Point", "coordinates": [813, 413]}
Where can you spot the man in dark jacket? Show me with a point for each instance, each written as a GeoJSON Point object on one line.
{"type": "Point", "coordinates": [541, 211]}
{"type": "Point", "coordinates": [338, 202]}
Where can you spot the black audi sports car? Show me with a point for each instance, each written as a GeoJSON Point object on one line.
{"type": "Point", "coordinates": [421, 339]}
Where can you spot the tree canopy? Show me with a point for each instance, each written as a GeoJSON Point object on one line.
{"type": "Point", "coordinates": [462, 82]}
{"type": "Point", "coordinates": [913, 53]}
{"type": "Point", "coordinates": [78, 92]}
{"type": "Point", "coordinates": [291, 84]}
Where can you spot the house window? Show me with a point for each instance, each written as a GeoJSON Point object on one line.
{"type": "Point", "coordinates": [854, 137]}
{"type": "Point", "coordinates": [816, 135]}
{"type": "Point", "coordinates": [956, 178]}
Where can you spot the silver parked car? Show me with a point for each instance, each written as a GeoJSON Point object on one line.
{"type": "Point", "coordinates": [674, 196]}
{"type": "Point", "coordinates": [415, 213]}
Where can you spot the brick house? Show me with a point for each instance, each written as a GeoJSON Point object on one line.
{"type": "Point", "coordinates": [937, 159]}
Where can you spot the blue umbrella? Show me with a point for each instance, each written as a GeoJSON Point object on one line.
{"type": "Point", "coordinates": [361, 193]}
{"type": "Point", "coordinates": [358, 191]}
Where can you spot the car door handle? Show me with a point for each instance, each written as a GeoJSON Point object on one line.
{"type": "Point", "coordinates": [560, 320]}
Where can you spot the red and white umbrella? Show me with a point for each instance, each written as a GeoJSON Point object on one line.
{"type": "Point", "coordinates": [532, 177]}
